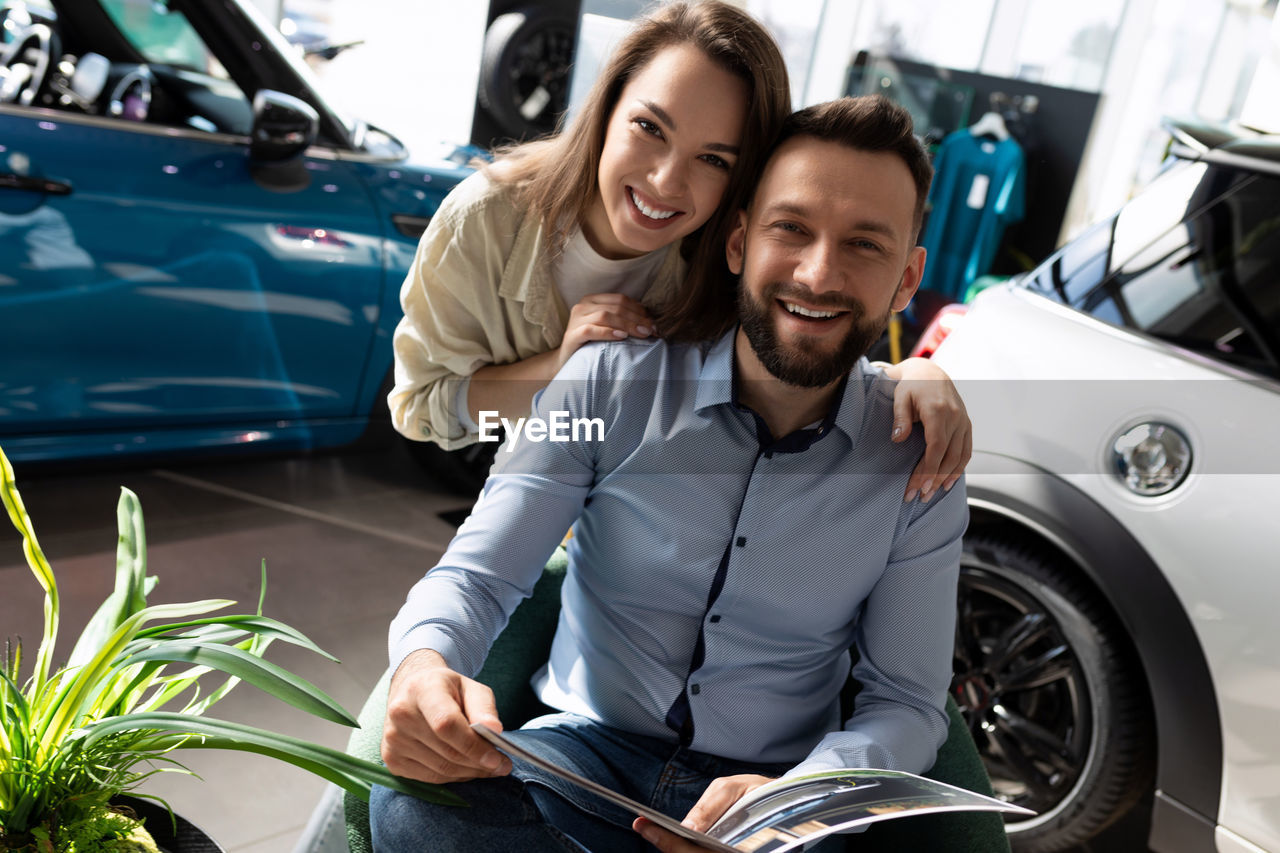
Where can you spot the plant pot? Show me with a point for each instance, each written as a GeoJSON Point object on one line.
{"type": "Point", "coordinates": [188, 838]}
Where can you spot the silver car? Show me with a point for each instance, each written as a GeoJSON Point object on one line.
{"type": "Point", "coordinates": [1118, 640]}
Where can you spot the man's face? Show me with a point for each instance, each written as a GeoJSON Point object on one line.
{"type": "Point", "coordinates": [825, 253]}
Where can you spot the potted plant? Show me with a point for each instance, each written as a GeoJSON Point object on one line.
{"type": "Point", "coordinates": [74, 737]}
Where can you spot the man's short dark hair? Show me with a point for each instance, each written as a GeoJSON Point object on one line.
{"type": "Point", "coordinates": [867, 123]}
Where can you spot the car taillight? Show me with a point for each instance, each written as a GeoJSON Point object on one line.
{"type": "Point", "coordinates": [936, 332]}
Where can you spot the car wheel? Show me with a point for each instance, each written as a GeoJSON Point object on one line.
{"type": "Point", "coordinates": [460, 471]}
{"type": "Point", "coordinates": [524, 70]}
{"type": "Point", "coordinates": [1054, 698]}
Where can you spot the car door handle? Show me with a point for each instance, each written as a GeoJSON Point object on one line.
{"type": "Point", "coordinates": [35, 185]}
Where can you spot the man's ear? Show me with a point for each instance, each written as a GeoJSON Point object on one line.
{"type": "Point", "coordinates": [735, 246]}
{"type": "Point", "coordinates": [911, 277]}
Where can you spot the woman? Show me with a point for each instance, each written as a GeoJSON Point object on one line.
{"type": "Point", "coordinates": [614, 228]}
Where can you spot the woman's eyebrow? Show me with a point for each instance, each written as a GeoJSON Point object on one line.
{"type": "Point", "coordinates": [665, 117]}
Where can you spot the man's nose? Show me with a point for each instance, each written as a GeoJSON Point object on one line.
{"type": "Point", "coordinates": [818, 267]}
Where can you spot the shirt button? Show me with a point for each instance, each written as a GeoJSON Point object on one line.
{"type": "Point", "coordinates": [742, 540]}
{"type": "Point", "coordinates": [426, 431]}
{"type": "Point", "coordinates": [695, 689]}
{"type": "Point", "coordinates": [715, 619]}
{"type": "Point", "coordinates": [769, 455]}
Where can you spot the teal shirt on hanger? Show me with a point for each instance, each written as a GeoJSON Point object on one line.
{"type": "Point", "coordinates": [978, 189]}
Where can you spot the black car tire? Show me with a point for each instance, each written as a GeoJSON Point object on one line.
{"type": "Point", "coordinates": [525, 68]}
{"type": "Point", "coordinates": [462, 471]}
{"type": "Point", "coordinates": [1052, 692]}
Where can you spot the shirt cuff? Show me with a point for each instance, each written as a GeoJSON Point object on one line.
{"type": "Point", "coordinates": [845, 749]}
{"type": "Point", "coordinates": [460, 406]}
{"type": "Point", "coordinates": [428, 637]}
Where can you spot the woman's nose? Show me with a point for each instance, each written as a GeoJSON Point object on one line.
{"type": "Point", "coordinates": [668, 177]}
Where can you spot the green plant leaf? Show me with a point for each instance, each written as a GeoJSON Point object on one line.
{"type": "Point", "coordinates": [224, 628]}
{"type": "Point", "coordinates": [127, 693]}
{"type": "Point", "coordinates": [220, 734]}
{"type": "Point", "coordinates": [79, 686]}
{"type": "Point", "coordinates": [70, 736]}
{"type": "Point", "coordinates": [15, 704]}
{"type": "Point", "coordinates": [130, 593]}
{"type": "Point", "coordinates": [39, 566]}
{"type": "Point", "coordinates": [265, 675]}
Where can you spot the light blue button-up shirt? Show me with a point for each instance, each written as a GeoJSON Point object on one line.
{"type": "Point", "coordinates": [689, 531]}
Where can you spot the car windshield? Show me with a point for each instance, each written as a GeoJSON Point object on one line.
{"type": "Point", "coordinates": [163, 35]}
{"type": "Point", "coordinates": [1207, 282]}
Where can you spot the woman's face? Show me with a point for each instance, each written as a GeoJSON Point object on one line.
{"type": "Point", "coordinates": [669, 146]}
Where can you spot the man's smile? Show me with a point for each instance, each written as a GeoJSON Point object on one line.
{"type": "Point", "coordinates": [810, 313]}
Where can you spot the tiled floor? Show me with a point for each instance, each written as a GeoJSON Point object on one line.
{"type": "Point", "coordinates": [344, 536]}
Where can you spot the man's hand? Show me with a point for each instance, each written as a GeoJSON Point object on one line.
{"type": "Point", "coordinates": [925, 393]}
{"type": "Point", "coordinates": [603, 317]}
{"type": "Point", "coordinates": [428, 736]}
{"type": "Point", "coordinates": [715, 801]}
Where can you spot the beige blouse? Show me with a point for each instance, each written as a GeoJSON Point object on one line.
{"type": "Point", "coordinates": [480, 291]}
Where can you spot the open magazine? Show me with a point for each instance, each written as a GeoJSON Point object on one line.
{"type": "Point", "coordinates": [789, 813]}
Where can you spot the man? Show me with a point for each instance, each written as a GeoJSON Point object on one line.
{"type": "Point", "coordinates": [738, 528]}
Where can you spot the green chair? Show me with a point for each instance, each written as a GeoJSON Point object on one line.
{"type": "Point", "coordinates": [522, 648]}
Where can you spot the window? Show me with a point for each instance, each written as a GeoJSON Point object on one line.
{"type": "Point", "coordinates": [941, 32]}
{"type": "Point", "coordinates": [1209, 283]}
{"type": "Point", "coordinates": [1063, 44]}
{"type": "Point", "coordinates": [163, 35]}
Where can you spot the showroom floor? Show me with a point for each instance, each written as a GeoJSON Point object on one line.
{"type": "Point", "coordinates": [344, 536]}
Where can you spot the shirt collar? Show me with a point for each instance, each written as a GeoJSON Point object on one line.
{"type": "Point", "coordinates": [716, 387]}
{"type": "Point", "coordinates": [715, 378]}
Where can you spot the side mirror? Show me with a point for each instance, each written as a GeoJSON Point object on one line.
{"type": "Point", "coordinates": [283, 127]}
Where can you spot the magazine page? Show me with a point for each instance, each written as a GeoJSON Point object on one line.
{"type": "Point", "coordinates": [515, 751]}
{"type": "Point", "coordinates": [783, 815]}
{"type": "Point", "coordinates": [787, 813]}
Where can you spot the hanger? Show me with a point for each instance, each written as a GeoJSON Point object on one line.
{"type": "Point", "coordinates": [991, 124]}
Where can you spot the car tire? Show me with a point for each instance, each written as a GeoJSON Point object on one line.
{"type": "Point", "coordinates": [1057, 704]}
{"type": "Point", "coordinates": [462, 471]}
{"type": "Point", "coordinates": [525, 68]}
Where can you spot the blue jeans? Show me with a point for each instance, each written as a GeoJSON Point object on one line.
{"type": "Point", "coordinates": [532, 811]}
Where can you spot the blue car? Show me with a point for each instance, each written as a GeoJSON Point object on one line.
{"type": "Point", "coordinates": [197, 251]}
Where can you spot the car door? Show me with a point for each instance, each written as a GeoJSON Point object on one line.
{"type": "Point", "coordinates": [150, 275]}
{"type": "Point", "coordinates": [1207, 284]}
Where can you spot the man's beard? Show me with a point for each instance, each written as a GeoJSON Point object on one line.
{"type": "Point", "coordinates": [804, 364]}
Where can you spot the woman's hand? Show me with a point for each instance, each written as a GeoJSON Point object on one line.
{"type": "Point", "coordinates": [714, 802]}
{"type": "Point", "coordinates": [603, 317]}
{"type": "Point", "coordinates": [925, 393]}
{"type": "Point", "coordinates": [507, 388]}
